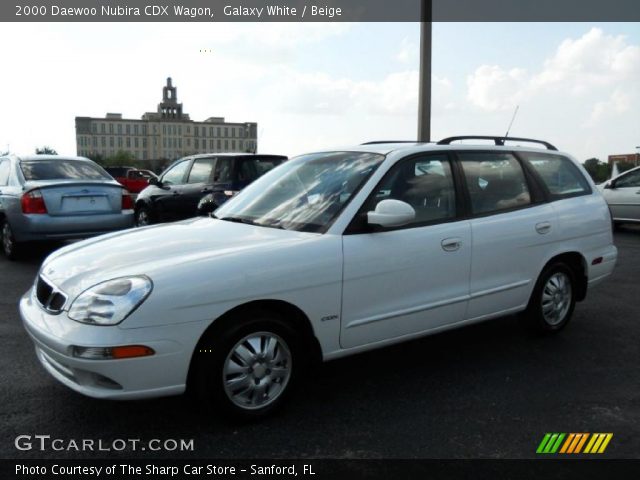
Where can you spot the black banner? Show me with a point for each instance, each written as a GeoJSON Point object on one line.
{"type": "Point", "coordinates": [543, 469]}
{"type": "Point", "coordinates": [319, 10]}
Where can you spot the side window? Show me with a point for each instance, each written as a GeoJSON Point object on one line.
{"type": "Point", "coordinates": [201, 170]}
{"type": "Point", "coordinates": [562, 178]}
{"type": "Point", "coordinates": [495, 181]}
{"type": "Point", "coordinates": [629, 180]}
{"type": "Point", "coordinates": [223, 170]}
{"type": "Point", "coordinates": [4, 172]}
{"type": "Point", "coordinates": [175, 175]}
{"type": "Point", "coordinates": [425, 183]}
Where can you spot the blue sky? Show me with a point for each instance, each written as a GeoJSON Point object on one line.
{"type": "Point", "coordinates": [315, 86]}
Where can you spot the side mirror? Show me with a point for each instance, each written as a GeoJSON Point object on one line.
{"type": "Point", "coordinates": [391, 213]}
{"type": "Point", "coordinates": [155, 181]}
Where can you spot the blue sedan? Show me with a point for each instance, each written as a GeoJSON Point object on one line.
{"type": "Point", "coordinates": [52, 197]}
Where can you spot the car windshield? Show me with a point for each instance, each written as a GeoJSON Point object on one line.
{"type": "Point", "coordinates": [304, 194]}
{"type": "Point", "coordinates": [60, 169]}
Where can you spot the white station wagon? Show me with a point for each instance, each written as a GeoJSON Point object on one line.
{"type": "Point", "coordinates": [330, 254]}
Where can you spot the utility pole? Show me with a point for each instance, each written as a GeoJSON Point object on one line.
{"type": "Point", "coordinates": [424, 95]}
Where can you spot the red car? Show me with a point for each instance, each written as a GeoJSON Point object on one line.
{"type": "Point", "coordinates": [133, 179]}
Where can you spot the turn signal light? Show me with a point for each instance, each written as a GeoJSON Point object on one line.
{"type": "Point", "coordinates": [32, 202]}
{"type": "Point", "coordinates": [111, 353]}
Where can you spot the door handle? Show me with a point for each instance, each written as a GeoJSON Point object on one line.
{"type": "Point", "coordinates": [176, 193]}
{"type": "Point", "coordinates": [451, 244]}
{"type": "Point", "coordinates": [543, 227]}
{"type": "Point", "coordinates": [206, 190]}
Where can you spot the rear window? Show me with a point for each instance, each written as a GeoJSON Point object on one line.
{"type": "Point", "coordinates": [561, 177]}
{"type": "Point", "coordinates": [252, 168]}
{"type": "Point", "coordinates": [62, 170]}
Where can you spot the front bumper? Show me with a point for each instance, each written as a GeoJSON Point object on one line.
{"type": "Point", "coordinates": [161, 374]}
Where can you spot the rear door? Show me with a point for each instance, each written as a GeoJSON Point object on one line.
{"type": "Point", "coordinates": [411, 279]}
{"type": "Point", "coordinates": [623, 196]}
{"type": "Point", "coordinates": [511, 226]}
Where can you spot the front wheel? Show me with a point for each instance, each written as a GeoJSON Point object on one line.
{"type": "Point", "coordinates": [249, 369]}
{"type": "Point", "coordinates": [553, 299]}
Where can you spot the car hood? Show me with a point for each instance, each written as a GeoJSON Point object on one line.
{"type": "Point", "coordinates": [143, 251]}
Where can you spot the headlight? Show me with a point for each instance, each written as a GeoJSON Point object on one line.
{"type": "Point", "coordinates": [110, 302]}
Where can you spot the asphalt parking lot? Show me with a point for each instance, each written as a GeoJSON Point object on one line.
{"type": "Point", "coordinates": [490, 391]}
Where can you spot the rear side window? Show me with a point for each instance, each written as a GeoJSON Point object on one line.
{"type": "Point", "coordinates": [223, 170]}
{"type": "Point", "coordinates": [561, 177]}
{"type": "Point", "coordinates": [252, 168]}
{"type": "Point", "coordinates": [60, 169]}
{"type": "Point", "coordinates": [495, 182]}
{"type": "Point", "coordinates": [4, 172]}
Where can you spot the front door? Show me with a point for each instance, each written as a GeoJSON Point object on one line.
{"type": "Point", "coordinates": [411, 279]}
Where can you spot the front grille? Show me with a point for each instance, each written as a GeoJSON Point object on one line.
{"type": "Point", "coordinates": [50, 298]}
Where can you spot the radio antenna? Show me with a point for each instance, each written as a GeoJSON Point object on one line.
{"type": "Point", "coordinates": [512, 119]}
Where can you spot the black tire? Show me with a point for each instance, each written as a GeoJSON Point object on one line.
{"type": "Point", "coordinates": [143, 216]}
{"type": "Point", "coordinates": [214, 359]}
{"type": "Point", "coordinates": [10, 247]}
{"type": "Point", "coordinates": [553, 299]}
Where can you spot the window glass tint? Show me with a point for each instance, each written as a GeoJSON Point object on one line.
{"type": "Point", "coordinates": [4, 172]}
{"type": "Point", "coordinates": [60, 169]}
{"type": "Point", "coordinates": [223, 170]}
{"type": "Point", "coordinates": [495, 181]}
{"type": "Point", "coordinates": [201, 170]}
{"type": "Point", "coordinates": [560, 175]}
{"type": "Point", "coordinates": [425, 183]}
{"type": "Point", "coordinates": [629, 180]}
{"type": "Point", "coordinates": [117, 171]}
{"type": "Point", "coordinates": [175, 174]}
{"type": "Point", "coordinates": [252, 168]}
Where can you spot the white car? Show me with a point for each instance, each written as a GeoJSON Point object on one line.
{"type": "Point", "coordinates": [330, 254]}
{"type": "Point", "coordinates": [622, 193]}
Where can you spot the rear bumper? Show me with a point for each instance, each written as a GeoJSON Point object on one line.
{"type": "Point", "coordinates": [46, 227]}
{"type": "Point", "coordinates": [599, 272]}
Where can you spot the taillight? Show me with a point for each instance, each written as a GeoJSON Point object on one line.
{"type": "Point", "coordinates": [127, 202]}
{"type": "Point", "coordinates": [32, 202]}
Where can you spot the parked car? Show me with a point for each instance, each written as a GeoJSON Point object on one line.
{"type": "Point", "coordinates": [330, 254]}
{"type": "Point", "coordinates": [133, 179]}
{"type": "Point", "coordinates": [199, 184]}
{"type": "Point", "coordinates": [622, 193]}
{"type": "Point", "coordinates": [52, 197]}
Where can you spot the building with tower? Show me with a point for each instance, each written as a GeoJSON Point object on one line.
{"type": "Point", "coordinates": [163, 135]}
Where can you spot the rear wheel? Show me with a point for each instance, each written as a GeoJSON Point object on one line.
{"type": "Point", "coordinates": [9, 245]}
{"type": "Point", "coordinates": [142, 217]}
{"type": "Point", "coordinates": [553, 299]}
{"type": "Point", "coordinates": [249, 369]}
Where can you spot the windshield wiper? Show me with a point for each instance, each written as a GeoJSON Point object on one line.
{"type": "Point", "coordinates": [246, 221]}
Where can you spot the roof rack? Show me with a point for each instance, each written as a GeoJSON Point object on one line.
{"type": "Point", "coordinates": [499, 141]}
{"type": "Point", "coordinates": [378, 142]}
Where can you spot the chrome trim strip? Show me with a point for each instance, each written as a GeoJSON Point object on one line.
{"type": "Point", "coordinates": [431, 306]}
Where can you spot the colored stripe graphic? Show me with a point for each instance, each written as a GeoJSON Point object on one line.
{"type": "Point", "coordinates": [574, 443]}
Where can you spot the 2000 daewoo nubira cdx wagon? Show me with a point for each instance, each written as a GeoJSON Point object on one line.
{"type": "Point", "coordinates": [329, 254]}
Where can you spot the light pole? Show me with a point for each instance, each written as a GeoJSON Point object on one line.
{"type": "Point", "coordinates": [424, 95]}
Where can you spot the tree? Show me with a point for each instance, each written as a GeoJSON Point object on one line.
{"type": "Point", "coordinates": [46, 150]}
{"type": "Point", "coordinates": [599, 171]}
